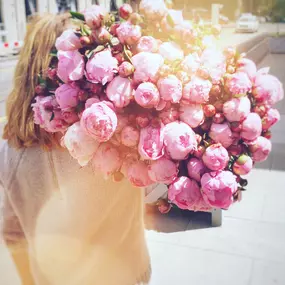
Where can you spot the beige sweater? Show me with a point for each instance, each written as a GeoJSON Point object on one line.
{"type": "Point", "coordinates": [81, 229]}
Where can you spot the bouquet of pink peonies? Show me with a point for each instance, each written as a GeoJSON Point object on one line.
{"type": "Point", "coordinates": [151, 97]}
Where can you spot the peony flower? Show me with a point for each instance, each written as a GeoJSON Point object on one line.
{"type": "Point", "coordinates": [247, 66]}
{"type": "Point", "coordinates": [151, 143]}
{"type": "Point", "coordinates": [171, 51]}
{"type": "Point", "coordinates": [237, 109]}
{"type": "Point", "coordinates": [68, 41]}
{"type": "Point", "coordinates": [128, 33]}
{"type": "Point", "coordinates": [191, 63]}
{"type": "Point", "coordinates": [153, 10]}
{"type": "Point", "coordinates": [147, 95]}
{"type": "Point", "coordinates": [106, 159]}
{"type": "Point", "coordinates": [138, 174]}
{"type": "Point", "coordinates": [120, 91]}
{"type": "Point", "coordinates": [147, 66]}
{"type": "Point", "coordinates": [196, 168]}
{"type": "Point", "coordinates": [184, 192]}
{"type": "Point", "coordinates": [125, 11]}
{"type": "Point", "coordinates": [179, 140]}
{"type": "Point", "coordinates": [147, 44]}
{"type": "Point", "coordinates": [126, 69]}
{"type": "Point", "coordinates": [216, 157]}
{"type": "Point", "coordinates": [271, 118]}
{"type": "Point", "coordinates": [218, 188]}
{"type": "Point", "coordinates": [191, 114]}
{"type": "Point", "coordinates": [99, 122]}
{"type": "Point", "coordinates": [163, 171]}
{"type": "Point", "coordinates": [130, 136]}
{"type": "Point", "coordinates": [94, 16]}
{"type": "Point", "coordinates": [101, 68]}
{"type": "Point", "coordinates": [70, 66]}
{"type": "Point", "coordinates": [70, 117]}
{"type": "Point", "coordinates": [251, 127]}
{"type": "Point", "coordinates": [197, 90]}
{"type": "Point", "coordinates": [170, 88]}
{"type": "Point", "coordinates": [221, 133]}
{"type": "Point", "coordinates": [243, 165]}
{"type": "Point", "coordinates": [48, 115]}
{"type": "Point", "coordinates": [67, 96]}
{"type": "Point", "coordinates": [169, 115]}
{"type": "Point", "coordinates": [238, 83]}
{"type": "Point", "coordinates": [79, 144]}
{"type": "Point", "coordinates": [260, 149]}
{"type": "Point", "coordinates": [267, 88]}
{"type": "Point", "coordinates": [89, 102]}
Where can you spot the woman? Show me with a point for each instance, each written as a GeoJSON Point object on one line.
{"type": "Point", "coordinates": [63, 224]}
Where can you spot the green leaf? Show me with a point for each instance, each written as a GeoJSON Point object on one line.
{"type": "Point", "coordinates": [99, 48]}
{"type": "Point", "coordinates": [86, 30]}
{"type": "Point", "coordinates": [52, 117]}
{"type": "Point", "coordinates": [76, 15]}
{"type": "Point", "coordinates": [53, 54]}
{"type": "Point", "coordinates": [170, 20]}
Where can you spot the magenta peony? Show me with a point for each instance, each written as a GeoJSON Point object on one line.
{"type": "Point", "coordinates": [196, 168]}
{"type": "Point", "coordinates": [221, 133]}
{"type": "Point", "coordinates": [67, 96]}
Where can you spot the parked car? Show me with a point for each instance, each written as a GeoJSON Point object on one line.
{"type": "Point", "coordinates": [247, 23]}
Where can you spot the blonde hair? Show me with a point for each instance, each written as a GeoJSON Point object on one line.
{"type": "Point", "coordinates": [20, 130]}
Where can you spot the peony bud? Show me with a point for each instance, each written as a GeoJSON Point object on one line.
{"type": "Point", "coordinates": [209, 110]}
{"type": "Point", "coordinates": [163, 206]}
{"type": "Point", "coordinates": [126, 69]}
{"type": "Point", "coordinates": [236, 127]}
{"type": "Point", "coordinates": [203, 73]}
{"type": "Point", "coordinates": [243, 165]}
{"type": "Point", "coordinates": [142, 120]}
{"type": "Point", "coordinates": [199, 152]}
{"type": "Point", "coordinates": [39, 89]}
{"type": "Point", "coordinates": [216, 90]}
{"type": "Point", "coordinates": [198, 138]}
{"type": "Point", "coordinates": [260, 110]}
{"type": "Point", "coordinates": [267, 135]}
{"type": "Point", "coordinates": [113, 29]}
{"type": "Point", "coordinates": [125, 11]}
{"type": "Point", "coordinates": [235, 149]}
{"type": "Point", "coordinates": [101, 36]}
{"type": "Point", "coordinates": [219, 118]}
{"type": "Point", "coordinates": [85, 40]}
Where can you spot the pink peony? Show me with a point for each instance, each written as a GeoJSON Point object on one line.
{"type": "Point", "coordinates": [221, 133]}
{"type": "Point", "coordinates": [153, 10]}
{"type": "Point", "coordinates": [179, 140]}
{"type": "Point", "coordinates": [218, 188]}
{"type": "Point", "coordinates": [120, 91]}
{"type": "Point", "coordinates": [170, 88]}
{"type": "Point", "coordinates": [70, 117]}
{"type": "Point", "coordinates": [48, 115]}
{"type": "Point", "coordinates": [147, 95]}
{"type": "Point", "coordinates": [247, 66]}
{"type": "Point", "coordinates": [67, 96]}
{"type": "Point", "coordinates": [126, 69]}
{"type": "Point", "coordinates": [191, 63]}
{"type": "Point", "coordinates": [237, 109]}
{"type": "Point", "coordinates": [271, 118]}
{"type": "Point", "coordinates": [216, 157]}
{"type": "Point", "coordinates": [130, 136]}
{"type": "Point", "coordinates": [268, 88]}
{"type": "Point", "coordinates": [163, 170]}
{"type": "Point", "coordinates": [197, 90]}
{"type": "Point", "coordinates": [79, 144]}
{"type": "Point", "coordinates": [147, 44]}
{"type": "Point", "coordinates": [89, 102]}
{"type": "Point", "coordinates": [107, 159]}
{"type": "Point", "coordinates": [99, 122]}
{"type": "Point", "coordinates": [169, 115]}
{"type": "Point", "coordinates": [101, 36]}
{"type": "Point", "coordinates": [147, 66]}
{"type": "Point", "coordinates": [260, 149]}
{"type": "Point", "coordinates": [163, 206]}
{"type": "Point", "coordinates": [101, 68]}
{"type": "Point", "coordinates": [128, 33]}
{"type": "Point", "coordinates": [196, 168]}
{"type": "Point", "coordinates": [171, 51]}
{"type": "Point", "coordinates": [192, 114]}
{"type": "Point", "coordinates": [138, 174]}
{"type": "Point", "coordinates": [94, 16]}
{"type": "Point", "coordinates": [184, 192]}
{"type": "Point", "coordinates": [68, 41]}
{"type": "Point", "coordinates": [251, 127]}
{"type": "Point", "coordinates": [151, 143]}
{"type": "Point", "coordinates": [238, 83]}
{"type": "Point", "coordinates": [70, 66]}
{"type": "Point", "coordinates": [243, 165]}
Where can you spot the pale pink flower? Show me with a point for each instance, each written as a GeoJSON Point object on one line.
{"type": "Point", "coordinates": [94, 16]}
{"type": "Point", "coordinates": [99, 121]}
{"type": "Point", "coordinates": [191, 63]}
{"type": "Point", "coordinates": [67, 96]}
{"type": "Point", "coordinates": [125, 11]}
{"type": "Point", "coordinates": [191, 114]}
{"type": "Point", "coordinates": [247, 66]}
{"type": "Point", "coordinates": [147, 95]}
{"type": "Point", "coordinates": [196, 168]}
{"type": "Point", "coordinates": [179, 140]}
{"type": "Point", "coordinates": [68, 41]}
{"type": "Point", "coordinates": [218, 188]}
{"type": "Point", "coordinates": [101, 68]}
{"type": "Point", "coordinates": [270, 119]}
{"type": "Point", "coordinates": [126, 69]}
{"type": "Point", "coordinates": [120, 91]}
{"type": "Point", "coordinates": [153, 10]}
{"type": "Point", "coordinates": [237, 109]}
{"type": "Point", "coordinates": [89, 102]}
{"type": "Point", "coordinates": [170, 88]}
{"type": "Point", "coordinates": [130, 136]}
{"type": "Point", "coordinates": [238, 83]}
{"type": "Point", "coordinates": [147, 44]}
{"type": "Point", "coordinates": [151, 143]}
{"type": "Point", "coordinates": [260, 149]}
{"type": "Point", "coordinates": [251, 127]}
{"type": "Point", "coordinates": [80, 146]}
{"type": "Point", "coordinates": [147, 66]}
{"type": "Point", "coordinates": [197, 90]}
{"type": "Point", "coordinates": [171, 51]}
{"type": "Point", "coordinates": [216, 157]}
{"type": "Point", "coordinates": [70, 66]}
{"type": "Point", "coordinates": [169, 115]}
{"type": "Point", "coordinates": [138, 174]}
{"type": "Point", "coordinates": [163, 170]}
{"type": "Point", "coordinates": [221, 133]}
{"type": "Point", "coordinates": [243, 165]}
{"type": "Point", "coordinates": [128, 33]}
